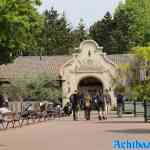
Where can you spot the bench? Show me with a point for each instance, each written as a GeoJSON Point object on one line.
{"type": "Point", "coordinates": [11, 118]}
{"type": "Point", "coordinates": [1, 120]}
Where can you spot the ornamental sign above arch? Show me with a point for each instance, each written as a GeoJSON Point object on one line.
{"type": "Point", "coordinates": [90, 61]}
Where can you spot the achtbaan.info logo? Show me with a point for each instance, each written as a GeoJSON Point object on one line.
{"type": "Point", "coordinates": [131, 145]}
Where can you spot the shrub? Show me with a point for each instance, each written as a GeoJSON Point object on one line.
{"type": "Point", "coordinates": [39, 88]}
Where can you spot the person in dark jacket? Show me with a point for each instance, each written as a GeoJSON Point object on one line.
{"type": "Point", "coordinates": [100, 102]}
{"type": "Point", "coordinates": [120, 102]}
{"type": "Point", "coordinates": [102, 106]}
{"type": "Point", "coordinates": [74, 100]}
{"type": "Point", "coordinates": [2, 101]}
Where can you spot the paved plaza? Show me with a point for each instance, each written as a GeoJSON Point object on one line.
{"type": "Point", "coordinates": [65, 134]}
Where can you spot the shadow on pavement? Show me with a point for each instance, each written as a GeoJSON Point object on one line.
{"type": "Point", "coordinates": [131, 131]}
{"type": "Point", "coordinates": [2, 145]}
{"type": "Point", "coordinates": [119, 122]}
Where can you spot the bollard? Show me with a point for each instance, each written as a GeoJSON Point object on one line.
{"type": "Point", "coordinates": [145, 111]}
{"type": "Point", "coordinates": [134, 108]}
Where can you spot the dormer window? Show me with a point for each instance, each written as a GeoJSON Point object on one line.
{"type": "Point", "coordinates": [89, 53]}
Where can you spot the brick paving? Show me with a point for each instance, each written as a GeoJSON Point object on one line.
{"type": "Point", "coordinates": [65, 134]}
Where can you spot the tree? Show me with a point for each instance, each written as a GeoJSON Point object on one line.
{"type": "Point", "coordinates": [79, 34]}
{"type": "Point", "coordinates": [142, 87]}
{"type": "Point", "coordinates": [17, 17]}
{"type": "Point", "coordinates": [136, 75]}
{"type": "Point", "coordinates": [44, 87]}
{"type": "Point", "coordinates": [16, 89]}
{"type": "Point", "coordinates": [140, 25]}
{"type": "Point", "coordinates": [122, 31]}
{"type": "Point", "coordinates": [39, 88]}
{"type": "Point", "coordinates": [56, 33]}
{"type": "Point", "coordinates": [126, 29]}
{"type": "Point", "coordinates": [33, 44]}
{"type": "Point", "coordinates": [114, 33]}
{"type": "Point", "coordinates": [121, 82]}
{"type": "Point", "coordinates": [101, 32]}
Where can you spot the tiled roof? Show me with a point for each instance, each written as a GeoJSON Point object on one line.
{"type": "Point", "coordinates": [121, 58]}
{"type": "Point", "coordinates": [32, 65]}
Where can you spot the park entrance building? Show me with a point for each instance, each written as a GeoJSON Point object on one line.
{"type": "Point", "coordinates": [89, 70]}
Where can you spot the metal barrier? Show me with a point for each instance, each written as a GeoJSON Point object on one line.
{"type": "Point", "coordinates": [128, 107]}
{"type": "Point", "coordinates": [134, 107]}
{"type": "Point", "coordinates": [30, 112]}
{"type": "Point", "coordinates": [147, 111]}
{"type": "Point", "coordinates": [138, 108]}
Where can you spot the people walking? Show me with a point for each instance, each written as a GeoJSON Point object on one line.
{"type": "Point", "coordinates": [120, 103]}
{"type": "Point", "coordinates": [80, 102]}
{"type": "Point", "coordinates": [107, 100]}
{"type": "Point", "coordinates": [74, 100]}
{"type": "Point", "coordinates": [101, 106]}
{"type": "Point", "coordinates": [96, 102]}
{"type": "Point", "coordinates": [87, 106]}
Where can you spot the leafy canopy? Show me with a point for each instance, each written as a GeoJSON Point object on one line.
{"type": "Point", "coordinates": [17, 17]}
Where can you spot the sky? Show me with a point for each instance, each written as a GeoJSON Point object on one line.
{"type": "Point", "coordinates": [89, 10]}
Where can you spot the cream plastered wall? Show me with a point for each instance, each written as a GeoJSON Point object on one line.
{"type": "Point", "coordinates": [90, 62]}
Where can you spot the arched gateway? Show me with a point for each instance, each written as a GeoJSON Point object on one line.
{"type": "Point", "coordinates": [90, 84]}
{"type": "Point", "coordinates": [88, 70]}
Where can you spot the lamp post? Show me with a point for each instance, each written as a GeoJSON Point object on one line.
{"type": "Point", "coordinates": [60, 81]}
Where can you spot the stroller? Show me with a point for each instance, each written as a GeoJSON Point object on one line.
{"type": "Point", "coordinates": [67, 109]}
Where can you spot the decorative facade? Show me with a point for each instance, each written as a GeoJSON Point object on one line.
{"type": "Point", "coordinates": [89, 70]}
{"type": "Point", "coordinates": [90, 64]}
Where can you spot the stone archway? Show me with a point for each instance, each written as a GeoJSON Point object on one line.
{"type": "Point", "coordinates": [88, 69]}
{"type": "Point", "coordinates": [90, 84]}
